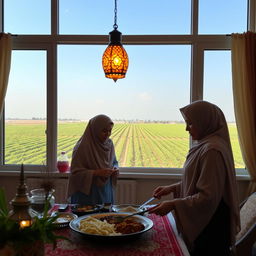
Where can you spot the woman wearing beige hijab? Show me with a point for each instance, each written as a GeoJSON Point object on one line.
{"type": "Point", "coordinates": [205, 202]}
{"type": "Point", "coordinates": [94, 167]}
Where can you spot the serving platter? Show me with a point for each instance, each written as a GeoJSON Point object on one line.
{"type": "Point", "coordinates": [148, 224]}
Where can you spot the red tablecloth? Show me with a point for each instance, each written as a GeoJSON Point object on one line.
{"type": "Point", "coordinates": [159, 241]}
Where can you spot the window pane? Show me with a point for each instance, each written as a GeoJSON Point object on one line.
{"type": "Point", "coordinates": [25, 109]}
{"type": "Point", "coordinates": [218, 90]}
{"type": "Point", "coordinates": [133, 17]}
{"type": "Point", "coordinates": [27, 16]}
{"type": "Point", "coordinates": [144, 106]}
{"type": "Point", "coordinates": [221, 17]}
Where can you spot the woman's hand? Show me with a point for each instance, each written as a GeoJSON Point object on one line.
{"type": "Point", "coordinates": [115, 172]}
{"type": "Point", "coordinates": [163, 190]}
{"type": "Point", "coordinates": [163, 208]}
{"type": "Point", "coordinates": [104, 173]}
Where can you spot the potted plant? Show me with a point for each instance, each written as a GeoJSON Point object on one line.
{"type": "Point", "coordinates": [27, 241]}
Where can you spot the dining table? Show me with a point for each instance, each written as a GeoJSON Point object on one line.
{"type": "Point", "coordinates": [161, 240]}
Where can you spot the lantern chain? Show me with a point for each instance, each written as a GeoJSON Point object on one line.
{"type": "Point", "coordinates": [115, 19]}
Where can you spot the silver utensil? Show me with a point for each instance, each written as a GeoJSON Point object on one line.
{"type": "Point", "coordinates": [118, 219]}
{"type": "Point", "coordinates": [148, 201]}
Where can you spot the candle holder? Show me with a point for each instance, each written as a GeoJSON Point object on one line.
{"type": "Point", "coordinates": [20, 234]}
{"type": "Point", "coordinates": [21, 202]}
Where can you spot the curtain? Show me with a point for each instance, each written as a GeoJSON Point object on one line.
{"type": "Point", "coordinates": [243, 55]}
{"type": "Point", "coordinates": [5, 63]}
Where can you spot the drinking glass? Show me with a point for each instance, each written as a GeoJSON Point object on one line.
{"type": "Point", "coordinates": [38, 200]}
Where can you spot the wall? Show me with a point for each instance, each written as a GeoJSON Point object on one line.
{"type": "Point", "coordinates": [145, 184]}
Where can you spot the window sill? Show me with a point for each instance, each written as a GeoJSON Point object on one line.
{"type": "Point", "coordinates": [131, 173]}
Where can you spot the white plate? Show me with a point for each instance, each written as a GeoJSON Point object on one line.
{"type": "Point", "coordinates": [148, 224]}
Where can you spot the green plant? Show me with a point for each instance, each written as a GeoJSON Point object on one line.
{"type": "Point", "coordinates": [42, 229]}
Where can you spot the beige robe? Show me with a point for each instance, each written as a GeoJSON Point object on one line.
{"type": "Point", "coordinates": [209, 174]}
{"type": "Point", "coordinates": [90, 154]}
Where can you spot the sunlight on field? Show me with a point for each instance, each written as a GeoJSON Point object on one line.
{"type": "Point", "coordinates": [136, 144]}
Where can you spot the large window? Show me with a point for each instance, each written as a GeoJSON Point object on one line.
{"type": "Point", "coordinates": [27, 16]}
{"type": "Point", "coordinates": [218, 90]}
{"type": "Point", "coordinates": [144, 105]}
{"type": "Point", "coordinates": [57, 83]}
{"type": "Point", "coordinates": [222, 16]}
{"type": "Point", "coordinates": [134, 17]}
{"type": "Point", "coordinates": [25, 109]}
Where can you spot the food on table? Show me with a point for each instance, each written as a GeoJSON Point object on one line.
{"type": "Point", "coordinates": [95, 226]}
{"type": "Point", "coordinates": [129, 226]}
{"type": "Point", "coordinates": [106, 226]}
{"type": "Point", "coordinates": [84, 208]}
{"type": "Point", "coordinates": [128, 209]}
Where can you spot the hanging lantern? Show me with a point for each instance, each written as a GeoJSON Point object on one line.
{"type": "Point", "coordinates": [115, 59]}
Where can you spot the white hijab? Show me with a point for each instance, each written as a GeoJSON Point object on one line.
{"type": "Point", "coordinates": [213, 132]}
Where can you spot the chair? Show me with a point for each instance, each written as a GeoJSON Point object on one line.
{"type": "Point", "coordinates": [247, 235]}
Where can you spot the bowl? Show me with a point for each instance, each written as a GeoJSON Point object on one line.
{"type": "Point", "coordinates": [63, 219]}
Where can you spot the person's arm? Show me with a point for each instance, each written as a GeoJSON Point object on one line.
{"type": "Point", "coordinates": [82, 178]}
{"type": "Point", "coordinates": [194, 211]}
{"type": "Point", "coordinates": [103, 173]}
{"type": "Point", "coordinates": [166, 190]}
{"type": "Point", "coordinates": [209, 186]}
{"type": "Point", "coordinates": [210, 183]}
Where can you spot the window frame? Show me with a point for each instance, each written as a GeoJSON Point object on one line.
{"type": "Point", "coordinates": [49, 43]}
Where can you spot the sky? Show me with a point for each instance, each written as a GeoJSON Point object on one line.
{"type": "Point", "coordinates": [158, 78]}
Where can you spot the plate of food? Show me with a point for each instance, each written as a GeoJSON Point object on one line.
{"type": "Point", "coordinates": [85, 209]}
{"type": "Point", "coordinates": [101, 225]}
{"type": "Point", "coordinates": [131, 208]}
{"type": "Point", "coordinates": [63, 219]}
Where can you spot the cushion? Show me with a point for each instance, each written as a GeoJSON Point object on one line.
{"type": "Point", "coordinates": [247, 215]}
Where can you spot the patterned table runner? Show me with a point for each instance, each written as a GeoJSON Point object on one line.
{"type": "Point", "coordinates": [159, 241]}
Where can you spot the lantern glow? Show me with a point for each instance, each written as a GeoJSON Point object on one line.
{"type": "Point", "coordinates": [25, 223]}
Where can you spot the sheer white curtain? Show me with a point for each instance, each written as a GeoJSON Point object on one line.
{"type": "Point", "coordinates": [243, 52]}
{"type": "Point", "coordinates": [5, 63]}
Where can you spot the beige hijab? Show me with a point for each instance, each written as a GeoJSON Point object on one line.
{"type": "Point", "coordinates": [193, 212]}
{"type": "Point", "coordinates": [90, 154]}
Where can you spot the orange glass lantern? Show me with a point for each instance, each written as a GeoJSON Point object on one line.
{"type": "Point", "coordinates": [115, 59]}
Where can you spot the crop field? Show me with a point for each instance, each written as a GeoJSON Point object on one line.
{"type": "Point", "coordinates": [136, 144]}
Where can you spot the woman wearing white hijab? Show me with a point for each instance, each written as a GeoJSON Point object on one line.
{"type": "Point", "coordinates": [205, 202]}
{"type": "Point", "coordinates": [94, 167]}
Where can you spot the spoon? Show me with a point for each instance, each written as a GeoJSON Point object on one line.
{"type": "Point", "coordinates": [119, 219]}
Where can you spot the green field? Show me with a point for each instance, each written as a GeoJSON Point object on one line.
{"type": "Point", "coordinates": [136, 144]}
